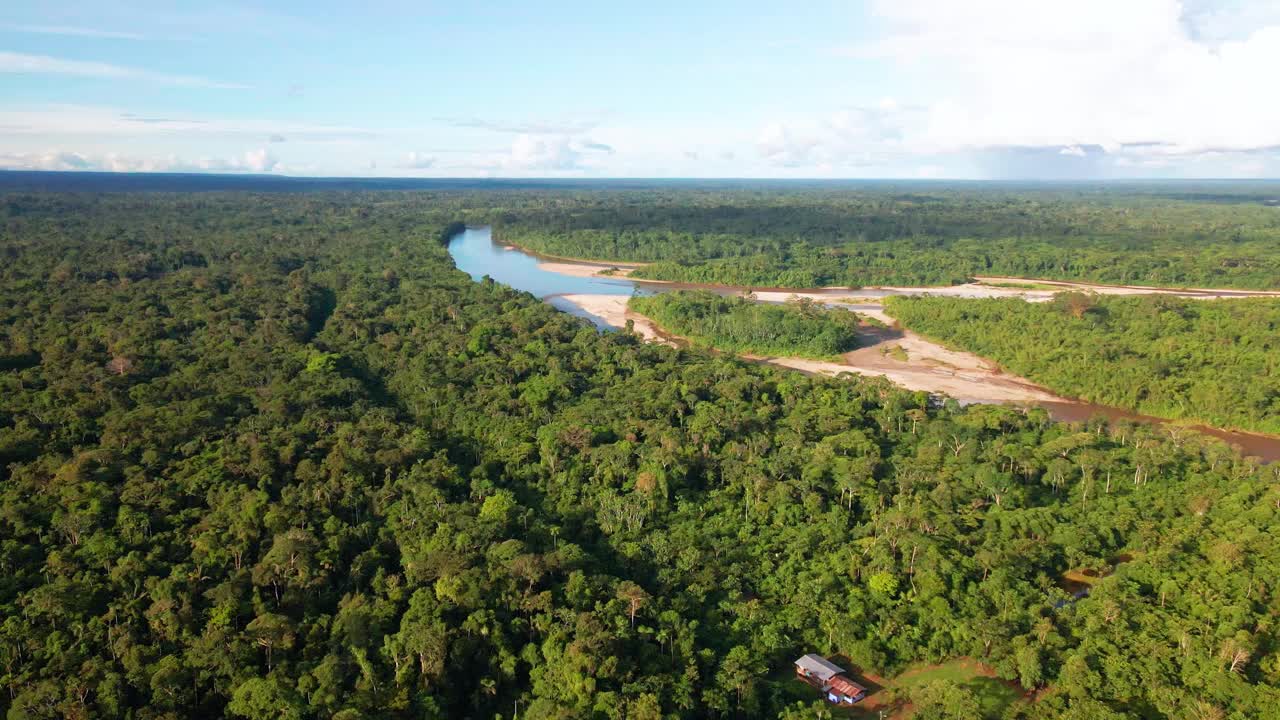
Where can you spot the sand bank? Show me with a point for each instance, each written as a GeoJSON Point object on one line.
{"type": "Point", "coordinates": [613, 310]}
{"type": "Point", "coordinates": [926, 366]}
{"type": "Point", "coordinates": [584, 270]}
{"type": "Point", "coordinates": [1062, 285]}
{"type": "Point", "coordinates": [915, 363]}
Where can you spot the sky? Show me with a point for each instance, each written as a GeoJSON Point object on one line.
{"type": "Point", "coordinates": [980, 89]}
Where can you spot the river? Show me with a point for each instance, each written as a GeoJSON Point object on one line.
{"type": "Point", "coordinates": [475, 253]}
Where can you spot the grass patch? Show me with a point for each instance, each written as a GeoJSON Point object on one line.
{"type": "Point", "coordinates": [993, 694]}
{"type": "Point", "coordinates": [897, 352]}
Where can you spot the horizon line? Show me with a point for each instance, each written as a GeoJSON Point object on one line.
{"type": "Point", "coordinates": [516, 178]}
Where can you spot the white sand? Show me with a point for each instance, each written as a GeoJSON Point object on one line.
{"type": "Point", "coordinates": [584, 270]}
{"type": "Point", "coordinates": [932, 368]}
{"type": "Point", "coordinates": [613, 310]}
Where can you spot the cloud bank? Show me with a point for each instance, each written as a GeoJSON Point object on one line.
{"type": "Point", "coordinates": [1132, 79]}
{"type": "Point", "coordinates": [259, 161]}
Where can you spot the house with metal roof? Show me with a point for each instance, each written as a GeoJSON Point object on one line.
{"type": "Point", "coordinates": [830, 678]}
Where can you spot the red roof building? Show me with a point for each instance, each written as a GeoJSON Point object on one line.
{"type": "Point", "coordinates": [830, 679]}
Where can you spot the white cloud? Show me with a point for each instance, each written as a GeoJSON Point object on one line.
{"type": "Point", "coordinates": [417, 161]}
{"type": "Point", "coordinates": [45, 161]}
{"type": "Point", "coordinates": [20, 63]}
{"type": "Point", "coordinates": [256, 161]}
{"type": "Point", "coordinates": [1035, 89]}
{"type": "Point", "coordinates": [260, 161]}
{"type": "Point", "coordinates": [73, 31]}
{"type": "Point", "coordinates": [530, 152]}
{"type": "Point", "coordinates": [778, 144]}
{"type": "Point", "coordinates": [1077, 72]}
{"type": "Point", "coordinates": [1217, 21]}
{"type": "Point", "coordinates": [540, 127]}
{"type": "Point", "coordinates": [853, 137]}
{"type": "Point", "coordinates": [68, 161]}
{"type": "Point", "coordinates": [58, 121]}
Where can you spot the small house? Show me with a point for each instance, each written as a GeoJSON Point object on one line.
{"type": "Point", "coordinates": [830, 678]}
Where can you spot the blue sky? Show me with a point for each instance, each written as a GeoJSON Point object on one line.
{"type": "Point", "coordinates": [883, 88]}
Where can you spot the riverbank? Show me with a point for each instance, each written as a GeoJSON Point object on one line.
{"type": "Point", "coordinates": [577, 269]}
{"type": "Point", "coordinates": [613, 311]}
{"type": "Point", "coordinates": [898, 355]}
{"type": "Point", "coordinates": [1060, 285]}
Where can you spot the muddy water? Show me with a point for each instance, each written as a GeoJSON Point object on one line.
{"type": "Point", "coordinates": [475, 253]}
{"type": "Point", "coordinates": [1266, 447]}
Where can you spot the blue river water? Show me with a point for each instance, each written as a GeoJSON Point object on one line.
{"type": "Point", "coordinates": [475, 253]}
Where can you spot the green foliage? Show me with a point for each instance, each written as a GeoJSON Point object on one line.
{"type": "Point", "coordinates": [492, 506]}
{"type": "Point", "coordinates": [1216, 361]}
{"type": "Point", "coordinates": [265, 699]}
{"type": "Point", "coordinates": [800, 328]}
{"type": "Point", "coordinates": [944, 700]}
{"type": "Point", "coordinates": [957, 689]}
{"type": "Point", "coordinates": [323, 362]}
{"type": "Point", "coordinates": [905, 234]}
{"type": "Point", "coordinates": [883, 584]}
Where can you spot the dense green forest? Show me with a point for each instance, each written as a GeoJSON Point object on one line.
{"type": "Point", "coordinates": [271, 456]}
{"type": "Point", "coordinates": [1217, 361]}
{"type": "Point", "coordinates": [801, 328]}
{"type": "Point", "coordinates": [904, 235]}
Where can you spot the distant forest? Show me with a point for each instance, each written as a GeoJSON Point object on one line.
{"type": "Point", "coordinates": [949, 234]}
{"type": "Point", "coordinates": [271, 456]}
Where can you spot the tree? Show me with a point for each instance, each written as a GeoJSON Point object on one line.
{"type": "Point", "coordinates": [120, 365]}
{"type": "Point", "coordinates": [634, 596]}
{"type": "Point", "coordinates": [1236, 652]}
{"type": "Point", "coordinates": [266, 699]}
{"type": "Point", "coordinates": [883, 584]}
{"type": "Point", "coordinates": [290, 563]}
{"type": "Point", "coordinates": [944, 700]}
{"type": "Point", "coordinates": [170, 682]}
{"type": "Point", "coordinates": [738, 672]}
{"type": "Point", "coordinates": [271, 631]}
{"type": "Point", "coordinates": [1030, 669]}
{"type": "Point", "coordinates": [423, 639]}
{"type": "Point", "coordinates": [1077, 304]}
